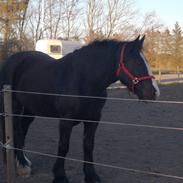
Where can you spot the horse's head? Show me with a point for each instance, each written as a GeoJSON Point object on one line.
{"type": "Point", "coordinates": [134, 71]}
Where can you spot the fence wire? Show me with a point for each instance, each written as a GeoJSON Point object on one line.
{"type": "Point", "coordinates": [100, 122]}
{"type": "Point", "coordinates": [6, 146]}
{"type": "Point", "coordinates": [96, 97]}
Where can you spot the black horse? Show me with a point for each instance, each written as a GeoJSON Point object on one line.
{"type": "Point", "coordinates": [85, 72]}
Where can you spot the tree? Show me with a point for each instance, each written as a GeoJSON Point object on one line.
{"type": "Point", "coordinates": [109, 18]}
{"type": "Point", "coordinates": [165, 50]}
{"type": "Point", "coordinates": [177, 45]}
{"type": "Point", "coordinates": [12, 13]}
{"type": "Point", "coordinates": [93, 19]}
{"type": "Point", "coordinates": [151, 27]}
{"type": "Point", "coordinates": [70, 22]}
{"type": "Point", "coordinates": [42, 19]}
{"type": "Point", "coordinates": [119, 13]}
{"type": "Point", "coordinates": [53, 19]}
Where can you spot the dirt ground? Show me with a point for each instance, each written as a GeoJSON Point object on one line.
{"type": "Point", "coordinates": [148, 149]}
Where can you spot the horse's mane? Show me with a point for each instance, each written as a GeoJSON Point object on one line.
{"type": "Point", "coordinates": [104, 42]}
{"type": "Point", "coordinates": [112, 43]}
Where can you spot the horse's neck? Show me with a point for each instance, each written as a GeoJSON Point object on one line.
{"type": "Point", "coordinates": [92, 73]}
{"type": "Point", "coordinates": [100, 69]}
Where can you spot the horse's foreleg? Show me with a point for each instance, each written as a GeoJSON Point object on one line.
{"type": "Point", "coordinates": [88, 146]}
{"type": "Point", "coordinates": [21, 125]}
{"type": "Point", "coordinates": [58, 170]}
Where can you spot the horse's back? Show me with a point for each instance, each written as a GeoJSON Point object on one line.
{"type": "Point", "coordinates": [33, 72]}
{"type": "Point", "coordinates": [21, 63]}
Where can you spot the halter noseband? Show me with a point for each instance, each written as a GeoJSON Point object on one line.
{"type": "Point", "coordinates": [135, 80]}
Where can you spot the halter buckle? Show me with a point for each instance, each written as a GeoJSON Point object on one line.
{"type": "Point", "coordinates": [135, 81]}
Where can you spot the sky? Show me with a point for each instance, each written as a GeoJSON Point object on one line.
{"type": "Point", "coordinates": [168, 11]}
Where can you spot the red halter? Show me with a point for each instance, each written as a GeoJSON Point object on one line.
{"type": "Point", "coordinates": [135, 79]}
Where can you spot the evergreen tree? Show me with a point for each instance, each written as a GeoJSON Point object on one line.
{"type": "Point", "coordinates": [177, 46]}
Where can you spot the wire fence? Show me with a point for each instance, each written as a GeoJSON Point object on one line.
{"type": "Point", "coordinates": [101, 122]}
{"type": "Point", "coordinates": [96, 97]}
{"type": "Point", "coordinates": [7, 146]}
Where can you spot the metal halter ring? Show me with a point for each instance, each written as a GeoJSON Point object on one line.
{"type": "Point", "coordinates": [135, 81]}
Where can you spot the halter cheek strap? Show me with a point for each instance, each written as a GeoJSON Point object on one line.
{"type": "Point", "coordinates": [135, 80]}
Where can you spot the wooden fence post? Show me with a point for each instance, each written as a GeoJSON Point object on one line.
{"type": "Point", "coordinates": [2, 135]}
{"type": "Point", "coordinates": [159, 75]}
{"type": "Point", "coordinates": [10, 161]}
{"type": "Point", "coordinates": [178, 72]}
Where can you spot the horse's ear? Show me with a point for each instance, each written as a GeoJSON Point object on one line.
{"type": "Point", "coordinates": [142, 40]}
{"type": "Point", "coordinates": [136, 44]}
{"type": "Point", "coordinates": [137, 39]}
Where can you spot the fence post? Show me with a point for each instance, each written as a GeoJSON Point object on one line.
{"type": "Point", "coordinates": [159, 75]}
{"type": "Point", "coordinates": [10, 161]}
{"type": "Point", "coordinates": [2, 135]}
{"type": "Point", "coordinates": [178, 72]}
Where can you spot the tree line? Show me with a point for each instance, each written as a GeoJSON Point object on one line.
{"type": "Point", "coordinates": [164, 49]}
{"type": "Point", "coordinates": [23, 22]}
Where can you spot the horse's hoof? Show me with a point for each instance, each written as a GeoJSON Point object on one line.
{"type": "Point", "coordinates": [93, 179]}
{"type": "Point", "coordinates": [24, 171]}
{"type": "Point", "coordinates": [24, 168]}
{"type": "Point", "coordinates": [61, 180]}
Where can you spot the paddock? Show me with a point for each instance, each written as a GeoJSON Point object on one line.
{"type": "Point", "coordinates": [140, 148]}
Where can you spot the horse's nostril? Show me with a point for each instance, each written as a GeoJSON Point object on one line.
{"type": "Point", "coordinates": [153, 94]}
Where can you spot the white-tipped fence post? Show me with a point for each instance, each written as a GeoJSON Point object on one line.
{"type": "Point", "coordinates": [10, 161]}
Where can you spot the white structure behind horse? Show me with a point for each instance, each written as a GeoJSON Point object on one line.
{"type": "Point", "coordinates": [57, 48]}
